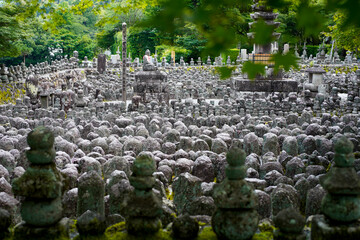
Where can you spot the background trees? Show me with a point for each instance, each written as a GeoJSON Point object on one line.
{"type": "Point", "coordinates": [28, 28]}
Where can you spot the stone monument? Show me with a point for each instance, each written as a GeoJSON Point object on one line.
{"type": "Point", "coordinates": [341, 204]}
{"type": "Point", "coordinates": [150, 83]}
{"type": "Point", "coordinates": [144, 207]}
{"type": "Point", "coordinates": [235, 217]}
{"type": "Point", "coordinates": [42, 187]}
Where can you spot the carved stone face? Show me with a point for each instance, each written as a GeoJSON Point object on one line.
{"type": "Point", "coordinates": [147, 52]}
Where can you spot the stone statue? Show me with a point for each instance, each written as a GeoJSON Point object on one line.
{"type": "Point", "coordinates": [148, 63]}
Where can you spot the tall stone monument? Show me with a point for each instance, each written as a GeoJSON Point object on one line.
{"type": "Point", "coordinates": [101, 63]}
{"type": "Point", "coordinates": [124, 62]}
{"type": "Point", "coordinates": [262, 54]}
{"type": "Point", "coordinates": [150, 83]}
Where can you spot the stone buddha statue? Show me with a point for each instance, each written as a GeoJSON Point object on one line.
{"type": "Point", "coordinates": [148, 64]}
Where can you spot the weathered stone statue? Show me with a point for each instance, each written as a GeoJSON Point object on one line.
{"type": "Point", "coordinates": [235, 217]}
{"type": "Point", "coordinates": [42, 186]}
{"type": "Point", "coordinates": [341, 204]}
{"type": "Point", "coordinates": [148, 64]}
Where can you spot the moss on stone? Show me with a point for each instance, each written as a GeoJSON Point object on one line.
{"type": "Point", "coordinates": [113, 229]}
{"type": "Point", "coordinates": [266, 227]}
{"type": "Point", "coordinates": [161, 235]}
{"type": "Point", "coordinates": [263, 236]}
{"type": "Point", "coordinates": [207, 234]}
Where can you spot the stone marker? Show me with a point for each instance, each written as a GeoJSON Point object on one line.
{"type": "Point", "coordinates": [101, 63]}
{"type": "Point", "coordinates": [90, 205]}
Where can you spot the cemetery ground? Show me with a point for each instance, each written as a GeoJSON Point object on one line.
{"type": "Point", "coordinates": [101, 168]}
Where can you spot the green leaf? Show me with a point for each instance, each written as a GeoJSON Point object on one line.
{"type": "Point", "coordinates": [351, 8]}
{"type": "Point", "coordinates": [310, 19]}
{"type": "Point", "coordinates": [224, 72]}
{"type": "Point", "coordinates": [253, 69]}
{"type": "Point", "coordinates": [284, 61]}
{"type": "Point", "coordinates": [263, 33]}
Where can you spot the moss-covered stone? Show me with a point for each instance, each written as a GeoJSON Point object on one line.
{"type": "Point", "coordinates": [341, 208]}
{"type": "Point", "coordinates": [42, 181]}
{"type": "Point", "coordinates": [58, 231]}
{"type": "Point", "coordinates": [144, 166]}
{"type": "Point", "coordinates": [42, 186]}
{"type": "Point", "coordinates": [235, 157]}
{"type": "Point", "coordinates": [90, 223]}
{"type": "Point", "coordinates": [91, 191]}
{"type": "Point", "coordinates": [184, 227]}
{"type": "Point", "coordinates": [39, 213]}
{"type": "Point", "coordinates": [324, 229]}
{"type": "Point", "coordinates": [41, 138]}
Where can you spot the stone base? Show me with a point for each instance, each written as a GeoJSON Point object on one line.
{"type": "Point", "coordinates": [247, 85]}
{"type": "Point", "coordinates": [142, 226]}
{"type": "Point", "coordinates": [322, 229]}
{"type": "Point", "coordinates": [57, 231]}
{"type": "Point", "coordinates": [288, 236]}
{"type": "Point", "coordinates": [235, 224]}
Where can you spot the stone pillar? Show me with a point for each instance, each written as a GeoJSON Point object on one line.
{"type": "Point", "coordinates": [124, 62]}
{"type": "Point", "coordinates": [41, 185]}
{"type": "Point", "coordinates": [235, 216]}
{"type": "Point", "coordinates": [101, 63]}
{"type": "Point", "coordinates": [44, 100]}
{"type": "Point", "coordinates": [90, 205]}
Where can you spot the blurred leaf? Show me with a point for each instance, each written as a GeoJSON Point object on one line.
{"type": "Point", "coordinates": [351, 8]}
{"type": "Point", "coordinates": [310, 19]}
{"type": "Point", "coordinates": [284, 61]}
{"type": "Point", "coordinates": [277, 3]}
{"type": "Point", "coordinates": [263, 32]}
{"type": "Point", "coordinates": [224, 72]}
{"type": "Point", "coordinates": [169, 17]}
{"type": "Point", "coordinates": [253, 69]}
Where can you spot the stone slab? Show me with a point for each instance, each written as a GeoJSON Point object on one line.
{"type": "Point", "coordinates": [265, 85]}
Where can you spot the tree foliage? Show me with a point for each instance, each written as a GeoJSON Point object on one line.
{"type": "Point", "coordinates": [348, 38]}
{"type": "Point", "coordinates": [193, 27]}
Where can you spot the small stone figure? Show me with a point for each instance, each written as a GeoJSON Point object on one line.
{"type": "Point", "coordinates": [144, 207]}
{"type": "Point", "coordinates": [235, 217]}
{"type": "Point", "coordinates": [291, 224]}
{"type": "Point", "coordinates": [148, 62]}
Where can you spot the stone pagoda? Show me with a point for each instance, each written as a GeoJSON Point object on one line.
{"type": "Point", "coordinates": [341, 204]}
{"type": "Point", "coordinates": [42, 187]}
{"type": "Point", "coordinates": [262, 54]}
{"type": "Point", "coordinates": [236, 216]}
